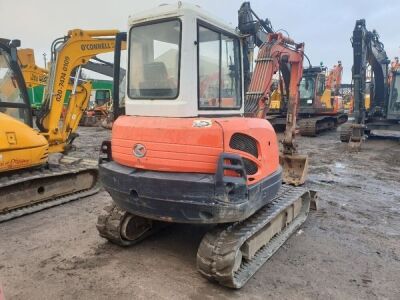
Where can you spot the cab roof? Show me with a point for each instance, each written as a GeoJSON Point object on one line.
{"type": "Point", "coordinates": [178, 9]}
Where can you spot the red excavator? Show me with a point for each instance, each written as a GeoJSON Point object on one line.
{"type": "Point", "coordinates": [205, 154]}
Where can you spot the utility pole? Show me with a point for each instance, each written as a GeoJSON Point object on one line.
{"type": "Point", "coordinates": [45, 61]}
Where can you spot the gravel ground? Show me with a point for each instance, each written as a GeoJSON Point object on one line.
{"type": "Point", "coordinates": [348, 249]}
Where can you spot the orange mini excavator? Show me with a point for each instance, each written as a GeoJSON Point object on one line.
{"type": "Point", "coordinates": [191, 149]}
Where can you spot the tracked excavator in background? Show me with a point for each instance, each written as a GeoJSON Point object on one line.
{"type": "Point", "coordinates": [321, 105]}
{"type": "Point", "coordinates": [32, 73]}
{"type": "Point", "coordinates": [188, 154]}
{"type": "Point", "coordinates": [35, 77]}
{"type": "Point", "coordinates": [383, 116]}
{"type": "Point", "coordinates": [100, 100]}
{"type": "Point", "coordinates": [33, 174]}
{"type": "Point", "coordinates": [102, 113]}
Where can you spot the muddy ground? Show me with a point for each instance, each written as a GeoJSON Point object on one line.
{"type": "Point", "coordinates": [349, 249]}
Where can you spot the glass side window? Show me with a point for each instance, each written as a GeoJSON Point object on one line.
{"type": "Point", "coordinates": [306, 88]}
{"type": "Point", "coordinates": [102, 97]}
{"type": "Point", "coordinates": [208, 67]}
{"type": "Point", "coordinates": [321, 85]}
{"type": "Point", "coordinates": [20, 114]}
{"type": "Point", "coordinates": [219, 70]}
{"type": "Point", "coordinates": [9, 90]}
{"type": "Point", "coordinates": [154, 56]}
{"type": "Point", "coordinates": [395, 95]}
{"type": "Point", "coordinates": [230, 72]}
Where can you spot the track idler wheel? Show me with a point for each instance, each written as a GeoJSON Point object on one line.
{"type": "Point", "coordinates": [123, 228]}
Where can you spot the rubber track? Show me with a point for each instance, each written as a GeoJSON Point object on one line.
{"type": "Point", "coordinates": [308, 126]}
{"type": "Point", "coordinates": [68, 165]}
{"type": "Point", "coordinates": [47, 204]}
{"type": "Point", "coordinates": [217, 251]}
{"type": "Point", "coordinates": [109, 225]}
{"type": "Point", "coordinates": [52, 171]}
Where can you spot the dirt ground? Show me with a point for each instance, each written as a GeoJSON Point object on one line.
{"type": "Point", "coordinates": [349, 249]}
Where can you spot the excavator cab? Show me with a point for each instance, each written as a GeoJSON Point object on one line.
{"type": "Point", "coordinates": [312, 87]}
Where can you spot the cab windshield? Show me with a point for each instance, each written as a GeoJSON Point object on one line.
{"type": "Point", "coordinates": [154, 55]}
{"type": "Point", "coordinates": [307, 85]}
{"type": "Point", "coordinates": [394, 94]}
{"type": "Point", "coordinates": [11, 99]}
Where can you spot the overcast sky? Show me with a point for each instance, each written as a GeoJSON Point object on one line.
{"type": "Point", "coordinates": [324, 26]}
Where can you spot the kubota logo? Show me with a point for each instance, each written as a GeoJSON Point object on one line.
{"type": "Point", "coordinates": [139, 150]}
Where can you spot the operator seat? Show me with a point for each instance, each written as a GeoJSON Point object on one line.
{"type": "Point", "coordinates": [156, 82]}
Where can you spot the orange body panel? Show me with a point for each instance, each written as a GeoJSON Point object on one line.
{"type": "Point", "coordinates": [191, 145]}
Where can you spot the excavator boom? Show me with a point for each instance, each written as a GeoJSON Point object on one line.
{"type": "Point", "coordinates": [383, 115]}
{"type": "Point", "coordinates": [279, 50]}
{"type": "Point", "coordinates": [68, 56]}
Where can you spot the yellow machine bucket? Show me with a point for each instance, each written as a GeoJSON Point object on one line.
{"type": "Point", "coordinates": [295, 168]}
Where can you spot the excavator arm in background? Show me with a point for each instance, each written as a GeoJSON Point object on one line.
{"type": "Point", "coordinates": [256, 31]}
{"type": "Point", "coordinates": [33, 74]}
{"type": "Point", "coordinates": [69, 54]}
{"type": "Point", "coordinates": [334, 79]}
{"type": "Point", "coordinates": [367, 50]}
{"type": "Point", "coordinates": [276, 53]}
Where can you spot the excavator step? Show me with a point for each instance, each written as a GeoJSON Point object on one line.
{"type": "Point", "coordinates": [231, 254]}
{"type": "Point", "coordinates": [28, 191]}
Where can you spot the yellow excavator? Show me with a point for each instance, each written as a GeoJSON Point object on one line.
{"type": "Point", "coordinates": [33, 174]}
{"type": "Point", "coordinates": [33, 74]}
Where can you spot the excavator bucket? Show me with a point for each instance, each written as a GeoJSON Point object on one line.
{"type": "Point", "coordinates": [295, 168]}
{"type": "Point", "coordinates": [356, 138]}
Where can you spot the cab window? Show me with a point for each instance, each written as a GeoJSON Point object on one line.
{"type": "Point", "coordinates": [102, 97]}
{"type": "Point", "coordinates": [219, 70]}
{"type": "Point", "coordinates": [154, 57]}
{"type": "Point", "coordinates": [11, 99]}
{"type": "Point", "coordinates": [321, 85]}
